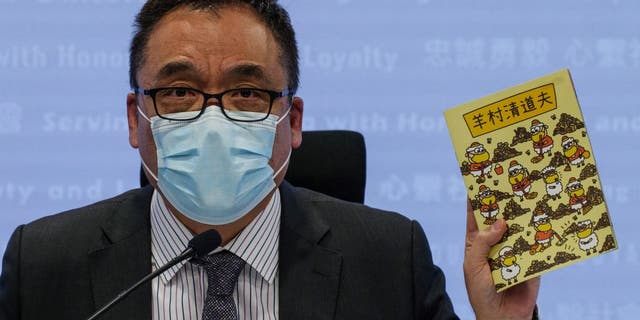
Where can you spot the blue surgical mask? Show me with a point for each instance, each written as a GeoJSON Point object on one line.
{"type": "Point", "coordinates": [214, 170]}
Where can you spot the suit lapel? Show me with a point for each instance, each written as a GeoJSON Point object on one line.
{"type": "Point", "coordinates": [123, 258]}
{"type": "Point", "coordinates": [309, 272]}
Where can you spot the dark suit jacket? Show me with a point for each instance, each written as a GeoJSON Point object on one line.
{"type": "Point", "coordinates": [338, 260]}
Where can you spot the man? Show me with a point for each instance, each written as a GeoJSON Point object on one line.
{"type": "Point", "coordinates": [214, 116]}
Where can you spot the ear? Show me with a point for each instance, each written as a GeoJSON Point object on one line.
{"type": "Point", "coordinates": [132, 118]}
{"type": "Point", "coordinates": [295, 115]}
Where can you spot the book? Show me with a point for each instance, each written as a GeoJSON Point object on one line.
{"type": "Point", "coordinates": [525, 157]}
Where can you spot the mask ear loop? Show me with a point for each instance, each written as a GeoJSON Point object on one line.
{"type": "Point", "coordinates": [286, 114]}
{"type": "Point", "coordinates": [284, 164]}
{"type": "Point", "coordinates": [149, 171]}
{"type": "Point", "coordinates": [142, 160]}
{"type": "Point", "coordinates": [142, 113]}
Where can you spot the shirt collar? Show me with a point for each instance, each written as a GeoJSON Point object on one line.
{"type": "Point", "coordinates": [257, 244]}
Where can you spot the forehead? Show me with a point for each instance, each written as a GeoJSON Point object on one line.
{"type": "Point", "coordinates": [204, 45]}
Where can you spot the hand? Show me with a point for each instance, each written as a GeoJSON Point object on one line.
{"type": "Point", "coordinates": [516, 302]}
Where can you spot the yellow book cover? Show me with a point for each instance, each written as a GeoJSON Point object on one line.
{"type": "Point", "coordinates": [525, 157]}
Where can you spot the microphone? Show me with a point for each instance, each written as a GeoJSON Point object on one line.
{"type": "Point", "coordinates": [199, 246]}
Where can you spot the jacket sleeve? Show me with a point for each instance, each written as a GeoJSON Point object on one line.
{"type": "Point", "coordinates": [10, 278]}
{"type": "Point", "coordinates": [431, 299]}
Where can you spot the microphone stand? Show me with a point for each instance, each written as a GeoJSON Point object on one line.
{"type": "Point", "coordinates": [187, 253]}
{"type": "Point", "coordinates": [199, 245]}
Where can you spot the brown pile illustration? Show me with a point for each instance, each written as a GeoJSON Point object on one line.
{"type": "Point", "coordinates": [609, 244]}
{"type": "Point", "coordinates": [521, 135]}
{"type": "Point", "coordinates": [567, 124]}
{"type": "Point", "coordinates": [513, 210]}
{"type": "Point", "coordinates": [504, 152]}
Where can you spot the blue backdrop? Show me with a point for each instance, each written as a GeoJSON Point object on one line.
{"type": "Point", "coordinates": [386, 68]}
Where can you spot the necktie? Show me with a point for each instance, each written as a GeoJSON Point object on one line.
{"type": "Point", "coordinates": [222, 272]}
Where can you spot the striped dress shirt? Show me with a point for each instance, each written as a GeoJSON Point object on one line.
{"type": "Point", "coordinates": [179, 292]}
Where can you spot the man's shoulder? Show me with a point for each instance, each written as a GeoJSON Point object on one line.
{"type": "Point", "coordinates": [345, 218]}
{"type": "Point", "coordinates": [87, 219]}
{"type": "Point", "coordinates": [335, 208]}
{"type": "Point", "coordinates": [58, 257]}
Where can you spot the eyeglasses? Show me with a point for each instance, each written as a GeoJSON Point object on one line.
{"type": "Point", "coordinates": [256, 104]}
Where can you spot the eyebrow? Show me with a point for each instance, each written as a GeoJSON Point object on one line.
{"type": "Point", "coordinates": [176, 67]}
{"type": "Point", "coordinates": [248, 70]}
{"type": "Point", "coordinates": [241, 71]}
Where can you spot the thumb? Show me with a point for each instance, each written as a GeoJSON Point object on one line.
{"type": "Point", "coordinates": [485, 239]}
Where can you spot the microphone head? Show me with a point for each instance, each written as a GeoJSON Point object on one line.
{"type": "Point", "coordinates": [205, 242]}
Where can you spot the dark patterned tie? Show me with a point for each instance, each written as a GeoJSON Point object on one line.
{"type": "Point", "coordinates": [222, 272]}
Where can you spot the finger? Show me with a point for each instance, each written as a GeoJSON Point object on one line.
{"type": "Point", "coordinates": [472, 226]}
{"type": "Point", "coordinates": [485, 239]}
{"type": "Point", "coordinates": [493, 234]}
